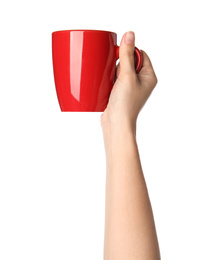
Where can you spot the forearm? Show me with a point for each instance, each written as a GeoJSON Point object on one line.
{"type": "Point", "coordinates": [129, 225]}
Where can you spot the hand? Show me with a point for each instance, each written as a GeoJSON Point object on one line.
{"type": "Point", "coordinates": [130, 91]}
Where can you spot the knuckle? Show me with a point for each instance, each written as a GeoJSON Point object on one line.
{"type": "Point", "coordinates": [129, 76]}
{"type": "Point", "coordinates": [128, 52]}
{"type": "Point", "coordinates": [154, 81]}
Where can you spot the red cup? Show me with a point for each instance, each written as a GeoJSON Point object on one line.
{"type": "Point", "coordinates": [84, 63]}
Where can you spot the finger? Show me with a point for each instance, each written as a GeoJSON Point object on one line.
{"type": "Point", "coordinates": [147, 73]}
{"type": "Point", "coordinates": [146, 64]}
{"type": "Point", "coordinates": [126, 52]}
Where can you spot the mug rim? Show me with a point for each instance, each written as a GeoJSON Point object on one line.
{"type": "Point", "coordinates": [84, 30]}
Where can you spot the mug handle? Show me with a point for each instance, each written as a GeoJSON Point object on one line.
{"type": "Point", "coordinates": [138, 56]}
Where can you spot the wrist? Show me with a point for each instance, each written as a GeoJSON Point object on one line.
{"type": "Point", "coordinates": [115, 134]}
{"type": "Point", "coordinates": [110, 129]}
{"type": "Point", "coordinates": [116, 124]}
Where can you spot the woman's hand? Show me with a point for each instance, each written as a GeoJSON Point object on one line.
{"type": "Point", "coordinates": [130, 91]}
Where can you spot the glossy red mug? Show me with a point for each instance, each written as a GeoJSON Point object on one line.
{"type": "Point", "coordinates": [84, 64]}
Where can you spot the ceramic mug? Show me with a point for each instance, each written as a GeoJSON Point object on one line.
{"type": "Point", "coordinates": [84, 64]}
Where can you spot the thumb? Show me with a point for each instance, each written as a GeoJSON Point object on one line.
{"type": "Point", "coordinates": [126, 53]}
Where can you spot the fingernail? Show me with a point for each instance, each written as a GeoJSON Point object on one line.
{"type": "Point", "coordinates": [129, 38]}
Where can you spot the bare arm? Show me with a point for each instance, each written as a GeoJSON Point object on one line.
{"type": "Point", "coordinates": [129, 224]}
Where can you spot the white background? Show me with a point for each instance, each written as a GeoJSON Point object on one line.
{"type": "Point", "coordinates": [52, 164]}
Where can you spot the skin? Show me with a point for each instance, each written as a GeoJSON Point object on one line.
{"type": "Point", "coordinates": [130, 231]}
